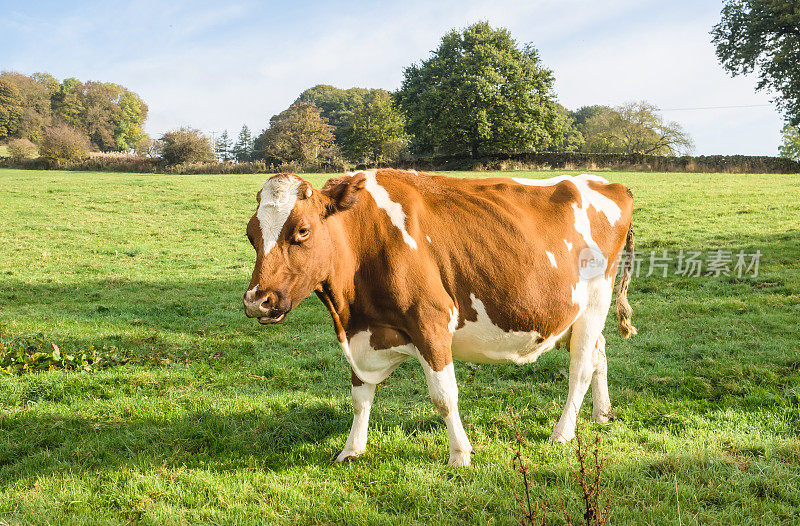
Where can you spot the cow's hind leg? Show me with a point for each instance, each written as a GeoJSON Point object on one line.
{"type": "Point", "coordinates": [363, 394]}
{"type": "Point", "coordinates": [601, 402]}
{"type": "Point", "coordinates": [583, 364]}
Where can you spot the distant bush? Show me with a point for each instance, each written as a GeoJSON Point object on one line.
{"type": "Point", "coordinates": [185, 145]}
{"type": "Point", "coordinates": [62, 144]}
{"type": "Point", "coordinates": [21, 149]}
{"type": "Point", "coordinates": [115, 162]}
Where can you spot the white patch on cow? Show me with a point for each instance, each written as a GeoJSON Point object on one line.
{"type": "Point", "coordinates": [591, 197]}
{"type": "Point", "coordinates": [584, 227]}
{"type": "Point", "coordinates": [365, 172]}
{"type": "Point", "coordinates": [552, 258]}
{"type": "Point", "coordinates": [451, 327]}
{"type": "Point", "coordinates": [482, 341]}
{"type": "Point", "coordinates": [374, 365]}
{"type": "Point", "coordinates": [569, 245]}
{"type": "Point", "coordinates": [278, 197]}
{"type": "Point", "coordinates": [429, 239]}
{"type": "Point", "coordinates": [579, 294]}
{"type": "Point", "coordinates": [414, 172]}
{"type": "Point", "coordinates": [393, 209]}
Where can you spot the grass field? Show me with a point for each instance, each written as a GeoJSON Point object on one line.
{"type": "Point", "coordinates": [218, 420]}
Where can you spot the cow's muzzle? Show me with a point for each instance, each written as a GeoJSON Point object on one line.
{"type": "Point", "coordinates": [268, 307]}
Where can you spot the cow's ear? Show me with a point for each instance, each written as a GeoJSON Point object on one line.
{"type": "Point", "coordinates": [342, 192]}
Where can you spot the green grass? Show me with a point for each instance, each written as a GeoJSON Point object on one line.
{"type": "Point", "coordinates": [219, 420]}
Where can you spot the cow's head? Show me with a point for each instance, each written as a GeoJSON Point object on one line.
{"type": "Point", "coordinates": [293, 243]}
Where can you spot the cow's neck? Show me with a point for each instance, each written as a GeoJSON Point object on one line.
{"type": "Point", "coordinates": [353, 241]}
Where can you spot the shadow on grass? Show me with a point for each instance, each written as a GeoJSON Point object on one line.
{"type": "Point", "coordinates": [36, 445]}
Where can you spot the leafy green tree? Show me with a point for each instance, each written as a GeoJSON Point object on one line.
{"type": "Point", "coordinates": [336, 105]}
{"type": "Point", "coordinates": [185, 145]}
{"type": "Point", "coordinates": [297, 134]}
{"type": "Point", "coordinates": [10, 108]}
{"type": "Point", "coordinates": [584, 113]}
{"type": "Point", "coordinates": [242, 151]}
{"type": "Point", "coordinates": [479, 93]}
{"type": "Point", "coordinates": [567, 137]}
{"type": "Point", "coordinates": [635, 127]}
{"type": "Point", "coordinates": [763, 36]}
{"type": "Point", "coordinates": [375, 130]}
{"type": "Point", "coordinates": [129, 121]}
{"type": "Point", "coordinates": [223, 146]}
{"type": "Point", "coordinates": [790, 147]}
{"type": "Point", "coordinates": [69, 103]}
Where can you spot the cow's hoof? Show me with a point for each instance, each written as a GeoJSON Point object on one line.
{"type": "Point", "coordinates": [561, 438]}
{"type": "Point", "coordinates": [604, 417]}
{"type": "Point", "coordinates": [460, 458]}
{"type": "Point", "coordinates": [347, 456]}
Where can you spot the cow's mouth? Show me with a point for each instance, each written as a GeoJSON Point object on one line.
{"type": "Point", "coordinates": [268, 320]}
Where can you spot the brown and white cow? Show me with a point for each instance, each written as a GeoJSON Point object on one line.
{"type": "Point", "coordinates": [437, 268]}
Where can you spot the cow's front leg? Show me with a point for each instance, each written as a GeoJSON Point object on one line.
{"type": "Point", "coordinates": [363, 394]}
{"type": "Point", "coordinates": [444, 394]}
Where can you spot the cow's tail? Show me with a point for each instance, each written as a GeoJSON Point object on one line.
{"type": "Point", "coordinates": [624, 310]}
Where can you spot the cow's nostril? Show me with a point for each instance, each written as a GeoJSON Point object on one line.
{"type": "Point", "coordinates": [265, 305]}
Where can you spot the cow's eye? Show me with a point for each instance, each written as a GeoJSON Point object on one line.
{"type": "Point", "coordinates": [302, 234]}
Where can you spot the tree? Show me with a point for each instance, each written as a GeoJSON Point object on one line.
{"type": "Point", "coordinates": [35, 99]}
{"type": "Point", "coordinates": [242, 151]}
{"type": "Point", "coordinates": [635, 127]}
{"type": "Point", "coordinates": [791, 142]}
{"type": "Point", "coordinates": [99, 108]}
{"type": "Point", "coordinates": [479, 93]}
{"type": "Point", "coordinates": [375, 130]}
{"type": "Point", "coordinates": [336, 105]}
{"type": "Point", "coordinates": [10, 108]}
{"type": "Point", "coordinates": [63, 143]}
{"type": "Point", "coordinates": [223, 146]}
{"type": "Point", "coordinates": [69, 102]}
{"type": "Point", "coordinates": [567, 136]}
{"type": "Point", "coordinates": [185, 145]}
{"type": "Point", "coordinates": [297, 134]}
{"type": "Point", "coordinates": [763, 36]}
{"type": "Point", "coordinates": [129, 121]}
{"type": "Point", "coordinates": [584, 113]}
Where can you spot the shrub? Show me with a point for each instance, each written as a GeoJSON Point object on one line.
{"type": "Point", "coordinates": [185, 145]}
{"type": "Point", "coordinates": [62, 144]}
{"type": "Point", "coordinates": [21, 149]}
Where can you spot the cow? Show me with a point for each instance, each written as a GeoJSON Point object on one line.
{"type": "Point", "coordinates": [435, 268]}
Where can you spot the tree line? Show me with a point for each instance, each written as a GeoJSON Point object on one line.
{"type": "Point", "coordinates": [480, 93]}
{"type": "Point", "coordinates": [39, 110]}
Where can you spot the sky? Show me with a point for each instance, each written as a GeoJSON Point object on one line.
{"type": "Point", "coordinates": [218, 65]}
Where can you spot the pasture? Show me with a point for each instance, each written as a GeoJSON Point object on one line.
{"type": "Point", "coordinates": [215, 419]}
